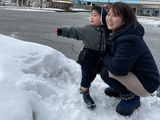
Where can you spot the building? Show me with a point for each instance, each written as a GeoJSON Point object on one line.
{"type": "Point", "coordinates": [149, 8]}
{"type": "Point", "coordinates": [140, 7]}
{"type": "Point", "coordinates": [34, 3]}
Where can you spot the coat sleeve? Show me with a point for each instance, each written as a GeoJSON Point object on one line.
{"type": "Point", "coordinates": [74, 32]}
{"type": "Point", "coordinates": [124, 56]}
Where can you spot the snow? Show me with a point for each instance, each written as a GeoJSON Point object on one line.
{"type": "Point", "coordinates": [39, 83]}
{"type": "Point", "coordinates": [149, 20]}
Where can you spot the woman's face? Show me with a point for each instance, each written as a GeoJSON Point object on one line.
{"type": "Point", "coordinates": [113, 21]}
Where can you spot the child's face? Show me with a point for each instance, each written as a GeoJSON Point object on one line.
{"type": "Point", "coordinates": [95, 18]}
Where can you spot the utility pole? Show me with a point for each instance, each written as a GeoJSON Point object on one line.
{"type": "Point", "coordinates": [18, 2]}
{"type": "Point", "coordinates": [50, 4]}
{"type": "Point", "coordinates": [159, 10]}
{"type": "Point", "coordinates": [41, 3]}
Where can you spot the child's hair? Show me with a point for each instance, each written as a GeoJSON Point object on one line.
{"type": "Point", "coordinates": [102, 12]}
{"type": "Point", "coordinates": [97, 8]}
{"type": "Point", "coordinates": [125, 12]}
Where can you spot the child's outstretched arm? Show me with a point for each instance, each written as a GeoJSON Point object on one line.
{"type": "Point", "coordinates": [78, 33]}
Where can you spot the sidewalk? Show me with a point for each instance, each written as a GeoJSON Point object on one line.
{"type": "Point", "coordinates": [61, 10]}
{"type": "Point", "coordinates": [43, 9]}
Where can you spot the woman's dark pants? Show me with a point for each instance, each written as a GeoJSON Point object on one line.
{"type": "Point", "coordinates": [111, 81]}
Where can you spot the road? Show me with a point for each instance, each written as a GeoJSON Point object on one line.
{"type": "Point", "coordinates": [38, 26]}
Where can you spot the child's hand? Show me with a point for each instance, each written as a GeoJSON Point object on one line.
{"type": "Point", "coordinates": [82, 46]}
{"type": "Point", "coordinates": [55, 30]}
{"type": "Point", "coordinates": [58, 31]}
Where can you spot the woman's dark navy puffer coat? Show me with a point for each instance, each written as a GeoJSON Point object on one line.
{"type": "Point", "coordinates": [129, 52]}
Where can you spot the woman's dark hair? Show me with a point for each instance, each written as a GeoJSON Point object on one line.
{"type": "Point", "coordinates": [97, 8]}
{"type": "Point", "coordinates": [125, 12]}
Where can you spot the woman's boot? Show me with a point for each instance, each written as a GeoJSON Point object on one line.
{"type": "Point", "coordinates": [88, 100]}
{"type": "Point", "coordinates": [111, 92]}
{"type": "Point", "coordinates": [128, 104]}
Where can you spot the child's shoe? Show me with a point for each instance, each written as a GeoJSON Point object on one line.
{"type": "Point", "coordinates": [80, 91]}
{"type": "Point", "coordinates": [128, 104]}
{"type": "Point", "coordinates": [88, 100]}
{"type": "Point", "coordinates": [111, 92]}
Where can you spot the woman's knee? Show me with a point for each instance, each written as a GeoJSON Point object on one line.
{"type": "Point", "coordinates": [104, 73]}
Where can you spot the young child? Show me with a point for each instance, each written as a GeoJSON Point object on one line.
{"type": "Point", "coordinates": [94, 48]}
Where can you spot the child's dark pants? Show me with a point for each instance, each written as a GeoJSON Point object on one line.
{"type": "Point", "coordinates": [87, 77]}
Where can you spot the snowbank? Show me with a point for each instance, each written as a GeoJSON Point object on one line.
{"type": "Point", "coordinates": [39, 82]}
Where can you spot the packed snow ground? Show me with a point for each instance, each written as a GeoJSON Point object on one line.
{"type": "Point", "coordinates": [40, 83]}
{"type": "Point", "coordinates": [149, 20]}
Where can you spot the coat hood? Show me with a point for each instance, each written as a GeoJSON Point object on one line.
{"type": "Point", "coordinates": [103, 16]}
{"type": "Point", "coordinates": [139, 30]}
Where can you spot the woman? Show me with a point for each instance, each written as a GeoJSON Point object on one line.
{"type": "Point", "coordinates": [129, 67]}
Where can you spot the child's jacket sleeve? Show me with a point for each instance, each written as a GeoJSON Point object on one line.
{"type": "Point", "coordinates": [74, 32]}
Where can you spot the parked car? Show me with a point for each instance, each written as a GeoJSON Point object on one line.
{"type": "Point", "coordinates": [1, 3]}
